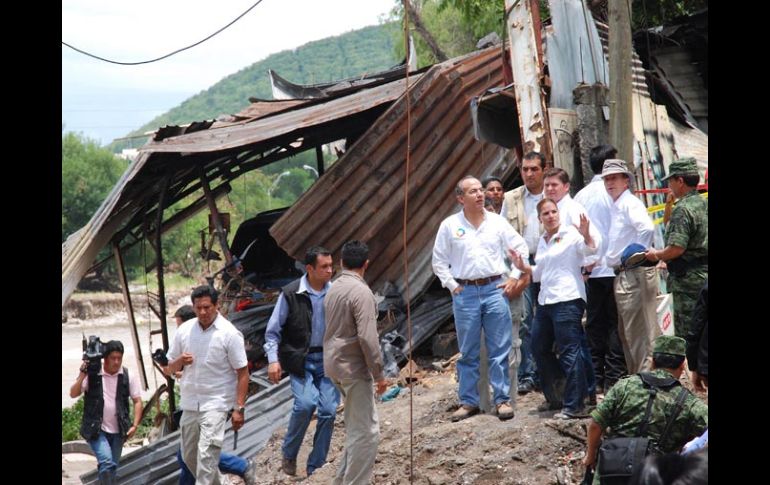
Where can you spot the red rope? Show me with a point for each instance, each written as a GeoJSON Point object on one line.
{"type": "Point", "coordinates": [406, 256]}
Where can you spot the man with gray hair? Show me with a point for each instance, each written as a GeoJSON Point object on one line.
{"type": "Point", "coordinates": [636, 287]}
{"type": "Point", "coordinates": [469, 259]}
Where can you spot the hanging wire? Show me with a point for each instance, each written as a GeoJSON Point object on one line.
{"type": "Point", "coordinates": [406, 255]}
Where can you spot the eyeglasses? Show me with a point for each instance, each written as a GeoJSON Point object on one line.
{"type": "Point", "coordinates": [475, 191]}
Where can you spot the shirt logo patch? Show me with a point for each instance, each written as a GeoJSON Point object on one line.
{"type": "Point", "coordinates": [460, 232]}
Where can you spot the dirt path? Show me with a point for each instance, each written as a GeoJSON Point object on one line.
{"type": "Point", "coordinates": [479, 450]}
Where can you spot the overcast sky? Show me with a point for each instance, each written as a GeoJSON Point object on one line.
{"type": "Point", "coordinates": [105, 101]}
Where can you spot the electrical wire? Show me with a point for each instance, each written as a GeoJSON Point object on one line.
{"type": "Point", "coordinates": [170, 53]}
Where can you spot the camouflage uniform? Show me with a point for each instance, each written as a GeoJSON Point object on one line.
{"type": "Point", "coordinates": [688, 228]}
{"type": "Point", "coordinates": [623, 407]}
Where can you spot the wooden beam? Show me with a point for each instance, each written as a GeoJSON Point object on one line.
{"type": "Point", "coordinates": [212, 204]}
{"type": "Point", "coordinates": [130, 311]}
{"type": "Point", "coordinates": [621, 116]}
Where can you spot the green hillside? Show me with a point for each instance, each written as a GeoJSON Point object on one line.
{"type": "Point", "coordinates": [360, 51]}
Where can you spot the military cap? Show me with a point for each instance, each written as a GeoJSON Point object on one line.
{"type": "Point", "coordinates": [683, 166]}
{"type": "Point", "coordinates": [668, 344]}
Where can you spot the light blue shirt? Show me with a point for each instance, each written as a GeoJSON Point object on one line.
{"type": "Point", "coordinates": [281, 313]}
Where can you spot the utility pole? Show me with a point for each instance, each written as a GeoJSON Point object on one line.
{"type": "Point", "coordinates": [621, 90]}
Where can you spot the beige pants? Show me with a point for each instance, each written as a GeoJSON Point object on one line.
{"type": "Point", "coordinates": [362, 432]}
{"type": "Point", "coordinates": [636, 292]}
{"type": "Point", "coordinates": [202, 437]}
{"type": "Point", "coordinates": [514, 358]}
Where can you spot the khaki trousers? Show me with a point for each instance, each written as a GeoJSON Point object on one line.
{"type": "Point", "coordinates": [636, 292]}
{"type": "Point", "coordinates": [202, 435]}
{"type": "Point", "coordinates": [362, 432]}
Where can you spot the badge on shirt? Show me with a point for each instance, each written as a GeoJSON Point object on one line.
{"type": "Point", "coordinates": [460, 232]}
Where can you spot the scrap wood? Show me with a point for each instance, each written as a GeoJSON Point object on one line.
{"type": "Point", "coordinates": [417, 374]}
{"type": "Point", "coordinates": [444, 365]}
{"type": "Point", "coordinates": [566, 432]}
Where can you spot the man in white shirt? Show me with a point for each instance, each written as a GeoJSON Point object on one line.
{"type": "Point", "coordinates": [609, 362]}
{"type": "Point", "coordinates": [216, 377]}
{"type": "Point", "coordinates": [520, 209]}
{"type": "Point", "coordinates": [469, 259]}
{"type": "Point", "coordinates": [636, 288]}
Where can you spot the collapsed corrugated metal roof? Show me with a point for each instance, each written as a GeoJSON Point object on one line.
{"type": "Point", "coordinates": [178, 155]}
{"type": "Point", "coordinates": [361, 194]}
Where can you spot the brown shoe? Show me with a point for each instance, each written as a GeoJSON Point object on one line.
{"type": "Point", "coordinates": [464, 411]}
{"type": "Point", "coordinates": [288, 466]}
{"type": "Point", "coordinates": [504, 411]}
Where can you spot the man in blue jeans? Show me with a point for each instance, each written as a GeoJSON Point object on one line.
{"type": "Point", "coordinates": [469, 259]}
{"type": "Point", "coordinates": [294, 342]}
{"type": "Point", "coordinates": [106, 424]}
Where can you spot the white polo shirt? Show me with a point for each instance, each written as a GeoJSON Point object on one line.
{"type": "Point", "coordinates": [209, 383]}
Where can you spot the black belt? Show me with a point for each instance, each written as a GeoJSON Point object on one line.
{"type": "Point", "coordinates": [480, 281]}
{"type": "Point", "coordinates": [315, 350]}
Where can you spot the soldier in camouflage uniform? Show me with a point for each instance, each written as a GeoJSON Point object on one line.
{"type": "Point", "coordinates": [624, 405]}
{"type": "Point", "coordinates": [687, 249]}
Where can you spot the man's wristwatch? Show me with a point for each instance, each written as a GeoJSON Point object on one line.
{"type": "Point", "coordinates": [241, 409]}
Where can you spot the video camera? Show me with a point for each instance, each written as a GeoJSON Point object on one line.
{"type": "Point", "coordinates": [93, 351]}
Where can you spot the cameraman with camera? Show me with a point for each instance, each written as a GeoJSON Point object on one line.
{"type": "Point", "coordinates": [106, 423]}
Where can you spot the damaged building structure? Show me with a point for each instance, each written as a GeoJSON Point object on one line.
{"type": "Point", "coordinates": [475, 114]}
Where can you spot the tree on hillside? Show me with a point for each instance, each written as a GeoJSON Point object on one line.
{"type": "Point", "coordinates": [88, 174]}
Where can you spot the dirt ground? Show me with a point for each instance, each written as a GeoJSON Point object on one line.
{"type": "Point", "coordinates": [532, 448]}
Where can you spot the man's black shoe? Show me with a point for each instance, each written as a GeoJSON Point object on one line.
{"type": "Point", "coordinates": [526, 387]}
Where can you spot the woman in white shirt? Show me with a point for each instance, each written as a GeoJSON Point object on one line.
{"type": "Point", "coordinates": [560, 307]}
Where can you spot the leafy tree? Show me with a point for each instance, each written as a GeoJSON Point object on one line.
{"type": "Point", "coordinates": [88, 174]}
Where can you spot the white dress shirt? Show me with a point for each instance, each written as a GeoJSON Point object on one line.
{"type": "Point", "coordinates": [569, 215]}
{"type": "Point", "coordinates": [557, 266]}
{"type": "Point", "coordinates": [466, 252]}
{"type": "Point", "coordinates": [209, 383]}
{"type": "Point", "coordinates": [598, 204]}
{"type": "Point", "coordinates": [630, 224]}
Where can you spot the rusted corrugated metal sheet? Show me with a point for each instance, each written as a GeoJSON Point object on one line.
{"type": "Point", "coordinates": [261, 108]}
{"type": "Point", "coordinates": [361, 195]}
{"type": "Point", "coordinates": [315, 113]}
{"type": "Point", "coordinates": [182, 149]}
{"type": "Point", "coordinates": [638, 80]}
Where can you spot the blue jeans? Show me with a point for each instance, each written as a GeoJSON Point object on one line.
{"type": "Point", "coordinates": [527, 367]}
{"type": "Point", "coordinates": [107, 448]}
{"type": "Point", "coordinates": [227, 464]}
{"type": "Point", "coordinates": [559, 323]}
{"type": "Point", "coordinates": [477, 308]}
{"type": "Point", "coordinates": [312, 391]}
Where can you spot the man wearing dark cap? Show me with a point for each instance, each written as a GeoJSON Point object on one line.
{"type": "Point", "coordinates": [686, 238]}
{"type": "Point", "coordinates": [624, 407]}
{"type": "Point", "coordinates": [636, 288]}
